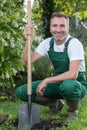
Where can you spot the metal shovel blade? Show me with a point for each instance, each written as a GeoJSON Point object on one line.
{"type": "Point", "coordinates": [24, 121]}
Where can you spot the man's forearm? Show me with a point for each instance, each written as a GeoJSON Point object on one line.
{"type": "Point", "coordinates": [61, 77]}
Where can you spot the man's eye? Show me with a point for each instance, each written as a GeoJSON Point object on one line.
{"type": "Point", "coordinates": [62, 25]}
{"type": "Point", "coordinates": [54, 25]}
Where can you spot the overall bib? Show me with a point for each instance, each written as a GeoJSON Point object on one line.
{"type": "Point", "coordinates": [67, 89]}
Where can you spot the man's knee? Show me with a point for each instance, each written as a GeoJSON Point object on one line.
{"type": "Point", "coordinates": [17, 92]}
{"type": "Point", "coordinates": [21, 92]}
{"type": "Point", "coordinates": [70, 90]}
{"type": "Point", "coordinates": [68, 86]}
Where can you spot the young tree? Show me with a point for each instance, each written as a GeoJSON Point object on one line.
{"type": "Point", "coordinates": [11, 40]}
{"type": "Point", "coordinates": [42, 12]}
{"type": "Point", "coordinates": [43, 9]}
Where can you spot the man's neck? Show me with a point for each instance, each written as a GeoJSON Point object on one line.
{"type": "Point", "coordinates": [60, 42]}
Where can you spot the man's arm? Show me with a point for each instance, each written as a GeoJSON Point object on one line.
{"type": "Point", "coordinates": [34, 55]}
{"type": "Point", "coordinates": [72, 74]}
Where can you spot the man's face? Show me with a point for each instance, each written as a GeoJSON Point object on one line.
{"type": "Point", "coordinates": [59, 28]}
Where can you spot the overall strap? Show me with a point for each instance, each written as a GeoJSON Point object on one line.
{"type": "Point", "coordinates": [67, 42]}
{"type": "Point", "coordinates": [51, 42]}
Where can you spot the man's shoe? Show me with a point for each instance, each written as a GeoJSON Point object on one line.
{"type": "Point", "coordinates": [72, 110]}
{"type": "Point", "coordinates": [56, 106]}
{"type": "Point", "coordinates": [72, 116]}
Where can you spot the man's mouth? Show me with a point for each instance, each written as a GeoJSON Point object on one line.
{"type": "Point", "coordinates": [58, 34]}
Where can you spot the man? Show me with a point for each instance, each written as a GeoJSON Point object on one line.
{"type": "Point", "coordinates": [68, 81]}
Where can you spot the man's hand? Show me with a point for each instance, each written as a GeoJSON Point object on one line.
{"type": "Point", "coordinates": [28, 31]}
{"type": "Point", "coordinates": [41, 87]}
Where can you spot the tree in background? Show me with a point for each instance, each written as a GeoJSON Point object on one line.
{"type": "Point", "coordinates": [75, 9]}
{"type": "Point", "coordinates": [11, 40]}
{"type": "Point", "coordinates": [43, 9]}
{"type": "Point", "coordinates": [12, 18]}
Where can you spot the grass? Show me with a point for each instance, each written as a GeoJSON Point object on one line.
{"type": "Point", "coordinates": [10, 110]}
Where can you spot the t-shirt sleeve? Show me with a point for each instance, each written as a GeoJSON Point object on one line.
{"type": "Point", "coordinates": [75, 50]}
{"type": "Point", "coordinates": [43, 47]}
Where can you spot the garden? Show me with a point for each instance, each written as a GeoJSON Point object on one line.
{"type": "Point", "coordinates": [13, 73]}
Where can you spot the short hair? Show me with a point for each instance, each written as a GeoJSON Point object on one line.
{"type": "Point", "coordinates": [58, 15]}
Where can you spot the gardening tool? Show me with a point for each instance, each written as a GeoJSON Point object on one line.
{"type": "Point", "coordinates": [29, 114]}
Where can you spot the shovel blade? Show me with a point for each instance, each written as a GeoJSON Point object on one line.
{"type": "Point", "coordinates": [24, 121]}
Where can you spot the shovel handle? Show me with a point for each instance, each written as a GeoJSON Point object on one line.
{"type": "Point", "coordinates": [29, 89]}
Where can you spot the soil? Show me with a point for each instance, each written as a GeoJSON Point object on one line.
{"type": "Point", "coordinates": [43, 125]}
{"type": "Point", "coordinates": [48, 124]}
{"type": "Point", "coordinates": [3, 118]}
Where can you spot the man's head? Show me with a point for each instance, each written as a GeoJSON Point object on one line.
{"type": "Point", "coordinates": [59, 26]}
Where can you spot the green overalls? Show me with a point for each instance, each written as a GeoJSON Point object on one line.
{"type": "Point", "coordinates": [67, 89]}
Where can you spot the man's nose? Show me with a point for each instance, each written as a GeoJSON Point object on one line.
{"type": "Point", "coordinates": [58, 29]}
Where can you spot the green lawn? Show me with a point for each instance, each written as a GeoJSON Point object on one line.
{"type": "Point", "coordinates": [9, 113]}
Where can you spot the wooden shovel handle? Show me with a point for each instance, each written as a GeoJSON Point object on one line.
{"type": "Point", "coordinates": [29, 89]}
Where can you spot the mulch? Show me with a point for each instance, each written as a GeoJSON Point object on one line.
{"type": "Point", "coordinates": [48, 124]}
{"type": "Point", "coordinates": [44, 124]}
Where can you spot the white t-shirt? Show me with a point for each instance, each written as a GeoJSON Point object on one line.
{"type": "Point", "coordinates": [75, 50]}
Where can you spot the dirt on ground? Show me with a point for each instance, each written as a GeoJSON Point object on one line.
{"type": "Point", "coordinates": [43, 125]}
{"type": "Point", "coordinates": [48, 124]}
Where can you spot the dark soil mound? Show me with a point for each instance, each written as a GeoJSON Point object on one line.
{"type": "Point", "coordinates": [48, 124]}
{"type": "Point", "coordinates": [45, 124]}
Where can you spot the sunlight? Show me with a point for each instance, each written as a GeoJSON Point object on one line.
{"type": "Point", "coordinates": [31, 2]}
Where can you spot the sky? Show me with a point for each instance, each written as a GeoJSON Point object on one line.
{"type": "Point", "coordinates": [26, 4]}
{"type": "Point", "coordinates": [30, 0]}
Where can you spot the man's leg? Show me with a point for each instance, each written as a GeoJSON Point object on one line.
{"type": "Point", "coordinates": [72, 110]}
{"type": "Point", "coordinates": [72, 91]}
{"type": "Point", "coordinates": [56, 106]}
{"type": "Point", "coordinates": [21, 93]}
{"type": "Point", "coordinates": [52, 102]}
{"type": "Point", "coordinates": [49, 99]}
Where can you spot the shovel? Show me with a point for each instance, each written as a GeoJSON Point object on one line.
{"type": "Point", "coordinates": [29, 114]}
